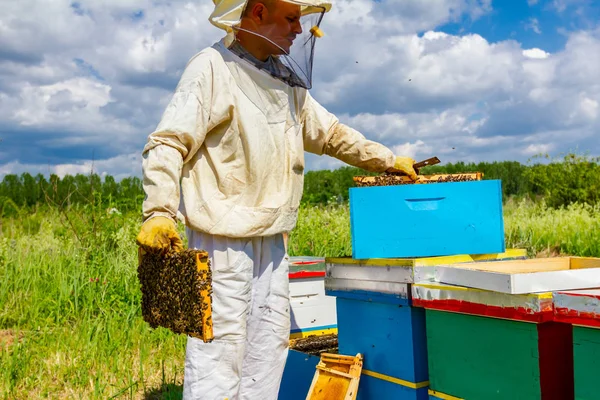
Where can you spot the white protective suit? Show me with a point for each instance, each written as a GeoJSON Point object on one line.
{"type": "Point", "coordinates": [233, 139]}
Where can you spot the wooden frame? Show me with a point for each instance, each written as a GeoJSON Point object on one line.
{"type": "Point", "coordinates": [387, 180]}
{"type": "Point", "coordinates": [337, 378]}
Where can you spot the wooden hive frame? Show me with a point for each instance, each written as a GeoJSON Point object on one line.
{"type": "Point", "coordinates": [177, 292]}
{"type": "Point", "coordinates": [337, 377]}
{"type": "Point", "coordinates": [393, 179]}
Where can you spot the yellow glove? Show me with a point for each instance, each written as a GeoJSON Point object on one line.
{"type": "Point", "coordinates": [159, 235]}
{"type": "Point", "coordinates": [405, 165]}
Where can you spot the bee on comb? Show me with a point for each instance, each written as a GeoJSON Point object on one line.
{"type": "Point", "coordinates": [177, 292]}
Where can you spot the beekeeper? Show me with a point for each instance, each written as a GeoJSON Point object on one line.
{"type": "Point", "coordinates": [232, 139]}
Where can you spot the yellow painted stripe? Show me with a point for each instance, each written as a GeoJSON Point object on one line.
{"type": "Point", "coordinates": [509, 253]}
{"type": "Point", "coordinates": [397, 381]}
{"type": "Point", "coordinates": [442, 395]}
{"type": "Point", "coordinates": [320, 332]}
{"type": "Point", "coordinates": [427, 261]}
{"type": "Point", "coordinates": [544, 295]}
{"type": "Point", "coordinates": [376, 262]}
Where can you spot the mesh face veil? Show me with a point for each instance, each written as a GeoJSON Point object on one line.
{"type": "Point", "coordinates": [288, 34]}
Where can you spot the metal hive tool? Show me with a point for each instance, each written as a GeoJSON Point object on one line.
{"type": "Point", "coordinates": [177, 292]}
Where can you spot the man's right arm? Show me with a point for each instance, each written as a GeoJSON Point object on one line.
{"type": "Point", "coordinates": [180, 133]}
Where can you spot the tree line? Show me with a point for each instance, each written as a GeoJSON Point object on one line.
{"type": "Point", "coordinates": [572, 178]}
{"type": "Point", "coordinates": [26, 191]}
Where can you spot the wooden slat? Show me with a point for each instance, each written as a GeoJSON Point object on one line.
{"type": "Point", "coordinates": [584, 262]}
{"type": "Point", "coordinates": [520, 266]}
{"type": "Point", "coordinates": [207, 325]}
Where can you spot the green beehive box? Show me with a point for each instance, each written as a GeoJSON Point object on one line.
{"type": "Point", "coordinates": [482, 358]}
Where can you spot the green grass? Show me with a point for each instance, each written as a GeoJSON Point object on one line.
{"type": "Point", "coordinates": [70, 323]}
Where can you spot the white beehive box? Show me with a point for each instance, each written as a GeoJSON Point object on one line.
{"type": "Point", "coordinates": [312, 311]}
{"type": "Point", "coordinates": [521, 276]}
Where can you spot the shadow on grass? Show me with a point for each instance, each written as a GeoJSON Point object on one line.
{"type": "Point", "coordinates": [168, 391]}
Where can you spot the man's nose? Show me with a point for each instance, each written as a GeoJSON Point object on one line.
{"type": "Point", "coordinates": [297, 28]}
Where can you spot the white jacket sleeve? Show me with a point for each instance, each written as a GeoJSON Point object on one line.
{"type": "Point", "coordinates": [324, 134]}
{"type": "Point", "coordinates": [180, 133]}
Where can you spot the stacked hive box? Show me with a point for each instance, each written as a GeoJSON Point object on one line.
{"type": "Point", "coordinates": [312, 312]}
{"type": "Point", "coordinates": [441, 310]}
{"type": "Point", "coordinates": [492, 345]}
{"type": "Point", "coordinates": [313, 317]}
{"type": "Point", "coordinates": [498, 338]}
{"type": "Point", "coordinates": [581, 308]}
{"type": "Point", "coordinates": [395, 230]}
{"type": "Point", "coordinates": [376, 318]}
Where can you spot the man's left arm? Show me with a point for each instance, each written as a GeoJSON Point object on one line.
{"type": "Point", "coordinates": [325, 134]}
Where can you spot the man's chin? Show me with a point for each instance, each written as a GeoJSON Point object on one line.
{"type": "Point", "coordinates": [280, 52]}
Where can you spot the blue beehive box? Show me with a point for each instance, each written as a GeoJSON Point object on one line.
{"type": "Point", "coordinates": [390, 334]}
{"type": "Point", "coordinates": [427, 220]}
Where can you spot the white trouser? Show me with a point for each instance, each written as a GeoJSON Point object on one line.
{"type": "Point", "coordinates": [251, 321]}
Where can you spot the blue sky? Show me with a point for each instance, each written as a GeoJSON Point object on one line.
{"type": "Point", "coordinates": [543, 23]}
{"type": "Point", "coordinates": [83, 83]}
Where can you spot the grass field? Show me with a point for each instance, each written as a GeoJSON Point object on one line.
{"type": "Point", "coordinates": [70, 323]}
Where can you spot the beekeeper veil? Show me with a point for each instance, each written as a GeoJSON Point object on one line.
{"type": "Point", "coordinates": [288, 29]}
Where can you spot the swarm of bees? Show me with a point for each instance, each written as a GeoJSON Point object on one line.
{"type": "Point", "coordinates": [315, 345]}
{"type": "Point", "coordinates": [177, 292]}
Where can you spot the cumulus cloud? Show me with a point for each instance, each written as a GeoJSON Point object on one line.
{"type": "Point", "coordinates": [534, 25]}
{"type": "Point", "coordinates": [535, 53]}
{"type": "Point", "coordinates": [89, 80]}
{"type": "Point", "coordinates": [481, 94]}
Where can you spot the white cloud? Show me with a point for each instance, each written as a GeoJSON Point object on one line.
{"type": "Point", "coordinates": [68, 100]}
{"type": "Point", "coordinates": [535, 53]}
{"type": "Point", "coordinates": [95, 78]}
{"type": "Point", "coordinates": [535, 149]}
{"type": "Point", "coordinates": [412, 149]}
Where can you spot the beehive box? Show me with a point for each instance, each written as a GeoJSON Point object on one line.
{"type": "Point", "coordinates": [476, 338]}
{"type": "Point", "coordinates": [375, 318]}
{"type": "Point", "coordinates": [391, 336]}
{"type": "Point", "coordinates": [437, 219]}
{"type": "Point", "coordinates": [522, 276]}
{"type": "Point", "coordinates": [581, 308]}
{"type": "Point", "coordinates": [380, 278]}
{"type": "Point", "coordinates": [491, 345]}
{"type": "Point", "coordinates": [482, 358]}
{"type": "Point", "coordinates": [312, 311]}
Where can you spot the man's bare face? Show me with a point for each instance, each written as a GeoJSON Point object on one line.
{"type": "Point", "coordinates": [281, 25]}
